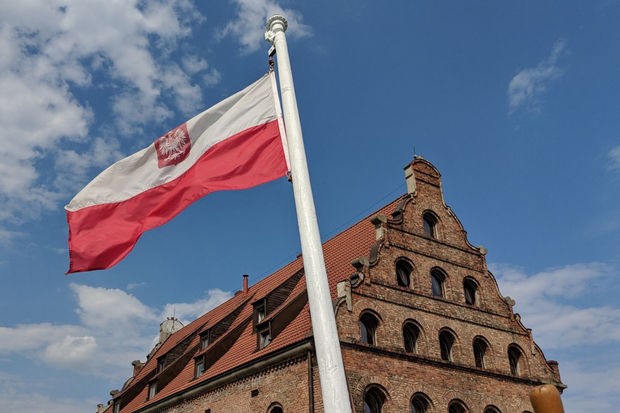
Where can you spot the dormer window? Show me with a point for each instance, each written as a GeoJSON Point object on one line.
{"type": "Point", "coordinates": [430, 224]}
{"type": "Point", "coordinates": [152, 390]}
{"type": "Point", "coordinates": [205, 339]}
{"type": "Point", "coordinates": [260, 311]}
{"type": "Point", "coordinates": [260, 314]}
{"type": "Point", "coordinates": [199, 368]}
{"type": "Point", "coordinates": [117, 406]}
{"type": "Point", "coordinates": [264, 338]}
{"type": "Point", "coordinates": [161, 364]}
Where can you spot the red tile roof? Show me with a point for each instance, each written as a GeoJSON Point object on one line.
{"type": "Point", "coordinates": [339, 251]}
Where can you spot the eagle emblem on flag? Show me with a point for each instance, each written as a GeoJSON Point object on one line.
{"type": "Point", "coordinates": [173, 147]}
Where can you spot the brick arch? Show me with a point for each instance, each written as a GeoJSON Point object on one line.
{"type": "Point", "coordinates": [443, 276]}
{"type": "Point", "coordinates": [456, 352]}
{"type": "Point", "coordinates": [523, 364]}
{"type": "Point", "coordinates": [488, 362]}
{"type": "Point", "coordinates": [422, 398]}
{"type": "Point", "coordinates": [377, 390]}
{"type": "Point", "coordinates": [366, 317]}
{"type": "Point", "coordinates": [422, 341]}
{"type": "Point", "coordinates": [431, 224]}
{"type": "Point", "coordinates": [469, 281]}
{"type": "Point", "coordinates": [400, 260]}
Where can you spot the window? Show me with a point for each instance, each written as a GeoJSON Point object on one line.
{"type": "Point", "coordinates": [470, 287]}
{"type": "Point", "coordinates": [419, 403]}
{"type": "Point", "coordinates": [430, 224]}
{"type": "Point", "coordinates": [437, 281]}
{"type": "Point", "coordinates": [514, 358]}
{"type": "Point", "coordinates": [117, 406]}
{"type": "Point", "coordinates": [446, 341]}
{"type": "Point", "coordinates": [411, 332]}
{"type": "Point", "coordinates": [457, 406]}
{"type": "Point", "coordinates": [260, 313]}
{"type": "Point", "coordinates": [200, 367]}
{"type": "Point", "coordinates": [368, 328]}
{"type": "Point", "coordinates": [161, 364]}
{"type": "Point", "coordinates": [403, 273]}
{"type": "Point", "coordinates": [264, 339]}
{"type": "Point", "coordinates": [205, 339]}
{"type": "Point", "coordinates": [152, 390]}
{"type": "Point", "coordinates": [374, 399]}
{"type": "Point", "coordinates": [275, 408]}
{"type": "Point", "coordinates": [491, 409]}
{"type": "Point", "coordinates": [480, 349]}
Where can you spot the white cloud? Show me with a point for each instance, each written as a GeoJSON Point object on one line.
{"type": "Point", "coordinates": [591, 388]}
{"type": "Point", "coordinates": [54, 51]}
{"type": "Point", "coordinates": [543, 300]}
{"type": "Point", "coordinates": [527, 86]}
{"type": "Point", "coordinates": [116, 328]}
{"type": "Point", "coordinates": [18, 396]}
{"type": "Point", "coordinates": [27, 337]}
{"type": "Point", "coordinates": [614, 158]}
{"type": "Point", "coordinates": [110, 308]}
{"type": "Point", "coordinates": [189, 311]}
{"type": "Point", "coordinates": [249, 26]}
{"type": "Point", "coordinates": [71, 351]}
{"type": "Point", "coordinates": [582, 337]}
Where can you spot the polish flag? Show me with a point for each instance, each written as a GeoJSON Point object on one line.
{"type": "Point", "coordinates": [236, 144]}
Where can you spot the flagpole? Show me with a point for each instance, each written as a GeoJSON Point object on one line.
{"type": "Point", "coordinates": [331, 368]}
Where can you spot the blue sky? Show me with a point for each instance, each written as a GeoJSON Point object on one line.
{"type": "Point", "coordinates": [515, 102]}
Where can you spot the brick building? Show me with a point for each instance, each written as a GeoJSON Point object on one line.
{"type": "Point", "coordinates": [422, 324]}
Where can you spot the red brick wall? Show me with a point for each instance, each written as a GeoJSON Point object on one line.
{"type": "Point", "coordinates": [287, 384]}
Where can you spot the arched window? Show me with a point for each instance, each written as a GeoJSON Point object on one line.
{"type": "Point", "coordinates": [438, 277]}
{"type": "Point", "coordinates": [514, 358]}
{"type": "Point", "coordinates": [411, 332]}
{"type": "Point", "coordinates": [480, 349]}
{"type": "Point", "coordinates": [403, 273]}
{"type": "Point", "coordinates": [470, 287]}
{"type": "Point", "coordinates": [446, 342]}
{"type": "Point", "coordinates": [420, 403]}
{"type": "Point", "coordinates": [275, 408]}
{"type": "Point", "coordinates": [430, 224]}
{"type": "Point", "coordinates": [457, 406]}
{"type": "Point", "coordinates": [492, 409]}
{"type": "Point", "coordinates": [374, 398]}
{"type": "Point", "coordinates": [368, 328]}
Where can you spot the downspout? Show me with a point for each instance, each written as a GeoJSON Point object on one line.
{"type": "Point", "coordinates": [310, 384]}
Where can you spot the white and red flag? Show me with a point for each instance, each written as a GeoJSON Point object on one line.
{"type": "Point", "coordinates": [236, 144]}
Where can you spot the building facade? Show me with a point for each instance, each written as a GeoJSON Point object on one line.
{"type": "Point", "coordinates": [422, 324]}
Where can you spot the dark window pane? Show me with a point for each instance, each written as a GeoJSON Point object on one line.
{"type": "Point", "coordinates": [368, 327]}
{"type": "Point", "coordinates": [430, 223]}
{"type": "Point", "coordinates": [373, 401]}
{"type": "Point", "coordinates": [410, 336]}
{"type": "Point", "coordinates": [446, 340]}
{"type": "Point", "coordinates": [456, 408]}
{"type": "Point", "coordinates": [419, 404]}
{"type": "Point", "coordinates": [514, 355]}
{"type": "Point", "coordinates": [480, 348]}
{"type": "Point", "coordinates": [470, 288]}
{"type": "Point", "coordinates": [403, 273]}
{"type": "Point", "coordinates": [437, 283]}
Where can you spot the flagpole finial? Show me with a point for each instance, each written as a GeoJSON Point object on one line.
{"type": "Point", "coordinates": [276, 20]}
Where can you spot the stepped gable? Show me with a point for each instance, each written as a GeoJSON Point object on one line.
{"type": "Point", "coordinates": [339, 251]}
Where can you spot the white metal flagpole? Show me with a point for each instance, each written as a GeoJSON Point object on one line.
{"type": "Point", "coordinates": [331, 368]}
